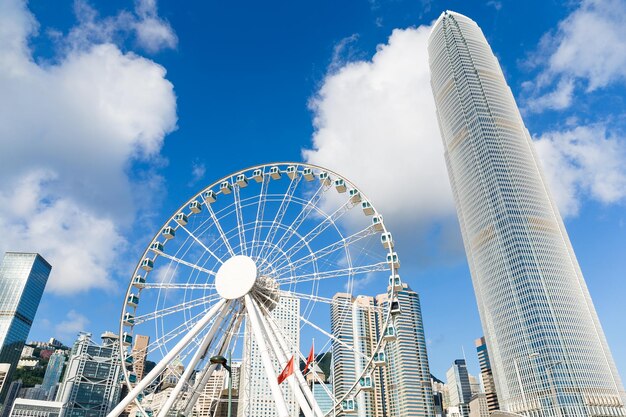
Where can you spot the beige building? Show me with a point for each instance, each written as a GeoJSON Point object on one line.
{"type": "Point", "coordinates": [139, 352]}
{"type": "Point", "coordinates": [478, 406]}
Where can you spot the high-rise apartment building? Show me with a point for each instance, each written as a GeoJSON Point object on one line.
{"type": "Point", "coordinates": [547, 349]}
{"type": "Point", "coordinates": [23, 277]}
{"type": "Point", "coordinates": [354, 322]}
{"type": "Point", "coordinates": [139, 352]}
{"type": "Point", "coordinates": [402, 388]}
{"type": "Point", "coordinates": [409, 390]}
{"type": "Point", "coordinates": [91, 385]}
{"type": "Point", "coordinates": [53, 372]}
{"type": "Point", "coordinates": [487, 374]}
{"type": "Point", "coordinates": [255, 396]}
{"type": "Point", "coordinates": [459, 388]}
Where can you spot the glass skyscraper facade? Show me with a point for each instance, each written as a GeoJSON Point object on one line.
{"type": "Point", "coordinates": [459, 389]}
{"type": "Point", "coordinates": [547, 349]}
{"type": "Point", "coordinates": [23, 277]}
{"type": "Point", "coordinates": [53, 373]}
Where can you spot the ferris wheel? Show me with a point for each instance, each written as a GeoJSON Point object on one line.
{"type": "Point", "coordinates": [255, 267]}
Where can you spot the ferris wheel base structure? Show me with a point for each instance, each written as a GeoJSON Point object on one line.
{"type": "Point", "coordinates": [231, 253]}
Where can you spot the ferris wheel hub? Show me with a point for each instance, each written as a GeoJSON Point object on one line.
{"type": "Point", "coordinates": [236, 277]}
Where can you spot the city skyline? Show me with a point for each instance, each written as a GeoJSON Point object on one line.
{"type": "Point", "coordinates": [100, 274]}
{"type": "Point", "coordinates": [536, 311]}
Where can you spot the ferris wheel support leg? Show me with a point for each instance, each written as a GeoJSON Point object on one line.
{"type": "Point", "coordinates": [281, 406]}
{"type": "Point", "coordinates": [147, 380]}
{"type": "Point", "coordinates": [204, 345]}
{"type": "Point", "coordinates": [299, 377]}
{"type": "Point", "coordinates": [282, 356]}
{"type": "Point", "coordinates": [206, 374]}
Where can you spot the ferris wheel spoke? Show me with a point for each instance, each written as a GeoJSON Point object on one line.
{"type": "Point", "coordinates": [197, 355]}
{"type": "Point", "coordinates": [301, 217]}
{"type": "Point", "coordinates": [209, 251]}
{"type": "Point", "coordinates": [178, 286]}
{"type": "Point", "coordinates": [218, 226]}
{"type": "Point", "coordinates": [280, 214]}
{"type": "Point", "coordinates": [157, 314]}
{"type": "Point", "coordinates": [260, 212]}
{"type": "Point", "coordinates": [317, 230]}
{"type": "Point", "coordinates": [335, 339]}
{"type": "Point", "coordinates": [325, 251]}
{"type": "Point", "coordinates": [183, 262]}
{"type": "Point", "coordinates": [239, 215]}
{"type": "Point", "coordinates": [337, 273]}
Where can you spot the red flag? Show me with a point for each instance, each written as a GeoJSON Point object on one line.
{"type": "Point", "coordinates": [310, 359]}
{"type": "Point", "coordinates": [286, 372]}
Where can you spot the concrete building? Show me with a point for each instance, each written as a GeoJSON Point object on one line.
{"type": "Point", "coordinates": [139, 353]}
{"type": "Point", "coordinates": [23, 277]}
{"type": "Point", "coordinates": [23, 407]}
{"type": "Point", "coordinates": [487, 374]}
{"type": "Point", "coordinates": [548, 352]}
{"type": "Point", "coordinates": [478, 406]}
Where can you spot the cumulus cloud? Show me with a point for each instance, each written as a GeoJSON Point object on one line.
{"type": "Point", "coordinates": [70, 133]}
{"type": "Point", "coordinates": [589, 45]}
{"type": "Point", "coordinates": [583, 162]}
{"type": "Point", "coordinates": [144, 25]}
{"type": "Point", "coordinates": [74, 323]}
{"type": "Point", "coordinates": [375, 123]}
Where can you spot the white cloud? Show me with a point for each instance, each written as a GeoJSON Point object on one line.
{"type": "Point", "coordinates": [73, 324]}
{"type": "Point", "coordinates": [150, 31]}
{"type": "Point", "coordinates": [589, 45]}
{"type": "Point", "coordinates": [69, 134]}
{"type": "Point", "coordinates": [375, 123]}
{"type": "Point", "coordinates": [583, 162]}
{"type": "Point", "coordinates": [198, 170]}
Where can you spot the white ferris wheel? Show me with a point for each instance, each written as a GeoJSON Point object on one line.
{"type": "Point", "coordinates": [214, 280]}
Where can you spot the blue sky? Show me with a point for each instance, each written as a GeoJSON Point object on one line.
{"type": "Point", "coordinates": [113, 113]}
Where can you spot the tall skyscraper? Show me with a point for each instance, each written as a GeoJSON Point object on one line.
{"type": "Point", "coordinates": [91, 385]}
{"type": "Point", "coordinates": [409, 390]}
{"type": "Point", "coordinates": [459, 389]}
{"type": "Point", "coordinates": [255, 396]}
{"type": "Point", "coordinates": [353, 321]}
{"type": "Point", "coordinates": [23, 277]}
{"type": "Point", "coordinates": [53, 372]}
{"type": "Point", "coordinates": [487, 374]}
{"type": "Point", "coordinates": [547, 348]}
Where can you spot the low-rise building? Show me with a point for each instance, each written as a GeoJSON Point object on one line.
{"type": "Point", "coordinates": [23, 407]}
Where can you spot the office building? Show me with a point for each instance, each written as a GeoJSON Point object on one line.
{"type": "Point", "coordinates": [255, 396]}
{"type": "Point", "coordinates": [487, 374]}
{"type": "Point", "coordinates": [53, 372]}
{"type": "Point", "coordinates": [409, 389]}
{"type": "Point", "coordinates": [23, 407]}
{"type": "Point", "coordinates": [23, 277]}
{"type": "Point", "coordinates": [547, 350]}
{"type": "Point", "coordinates": [478, 406]}
{"type": "Point", "coordinates": [439, 388]}
{"type": "Point", "coordinates": [91, 385]}
{"type": "Point", "coordinates": [208, 402]}
{"type": "Point", "coordinates": [459, 387]}
{"type": "Point", "coordinates": [322, 390]}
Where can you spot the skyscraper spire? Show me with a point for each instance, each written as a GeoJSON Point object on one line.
{"type": "Point", "coordinates": [547, 348]}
